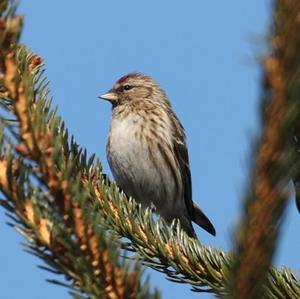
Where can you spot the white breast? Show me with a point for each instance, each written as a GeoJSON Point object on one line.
{"type": "Point", "coordinates": [125, 147]}
{"type": "Point", "coordinates": [140, 172]}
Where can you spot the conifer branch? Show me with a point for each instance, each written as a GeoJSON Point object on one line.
{"type": "Point", "coordinates": [44, 194]}
{"type": "Point", "coordinates": [276, 159]}
{"type": "Point", "coordinates": [73, 217]}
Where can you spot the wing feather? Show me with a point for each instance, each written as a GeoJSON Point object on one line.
{"type": "Point", "coordinates": [182, 157]}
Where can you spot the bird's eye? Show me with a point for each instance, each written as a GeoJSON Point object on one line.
{"type": "Point", "coordinates": [127, 87]}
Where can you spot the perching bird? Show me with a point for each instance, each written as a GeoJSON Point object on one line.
{"type": "Point", "coordinates": [147, 151]}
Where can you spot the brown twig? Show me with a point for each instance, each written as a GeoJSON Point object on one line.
{"type": "Point", "coordinates": [37, 145]}
{"type": "Point", "coordinates": [267, 199]}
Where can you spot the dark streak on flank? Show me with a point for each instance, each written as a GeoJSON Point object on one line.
{"type": "Point", "coordinates": [170, 166]}
{"type": "Point", "coordinates": [158, 168]}
{"type": "Point", "coordinates": [153, 121]}
{"type": "Point", "coordinates": [154, 133]}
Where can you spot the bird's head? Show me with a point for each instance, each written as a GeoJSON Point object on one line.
{"type": "Point", "coordinates": [133, 87]}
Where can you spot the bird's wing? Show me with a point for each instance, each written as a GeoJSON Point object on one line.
{"type": "Point", "coordinates": [182, 157]}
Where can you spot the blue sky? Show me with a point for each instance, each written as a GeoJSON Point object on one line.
{"type": "Point", "coordinates": [204, 54]}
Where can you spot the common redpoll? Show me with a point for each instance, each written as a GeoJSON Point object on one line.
{"type": "Point", "coordinates": [147, 151]}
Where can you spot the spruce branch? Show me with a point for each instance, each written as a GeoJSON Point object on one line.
{"type": "Point", "coordinates": [43, 191]}
{"type": "Point", "coordinates": [276, 159]}
{"type": "Point", "coordinates": [74, 218]}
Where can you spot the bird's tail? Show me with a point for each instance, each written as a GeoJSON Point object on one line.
{"type": "Point", "coordinates": [201, 219]}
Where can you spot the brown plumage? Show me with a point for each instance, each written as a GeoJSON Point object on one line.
{"type": "Point", "coordinates": [147, 151]}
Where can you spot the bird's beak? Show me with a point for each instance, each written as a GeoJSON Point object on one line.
{"type": "Point", "coordinates": [110, 96]}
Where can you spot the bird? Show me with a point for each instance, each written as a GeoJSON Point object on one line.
{"type": "Point", "coordinates": [147, 151]}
